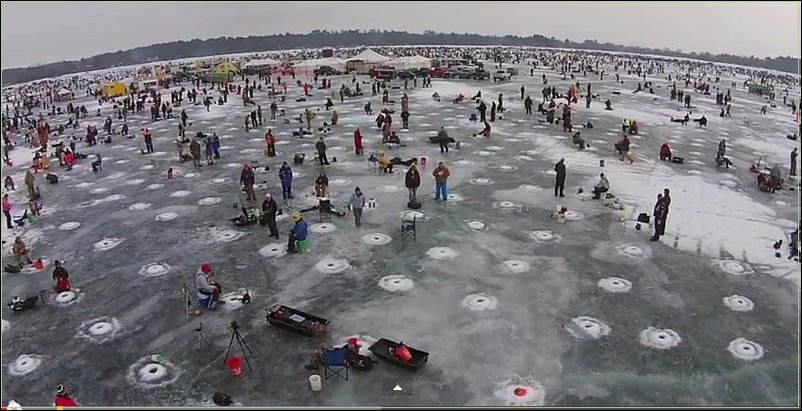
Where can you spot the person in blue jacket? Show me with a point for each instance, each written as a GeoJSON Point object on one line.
{"type": "Point", "coordinates": [285, 175]}
{"type": "Point", "coordinates": [298, 232]}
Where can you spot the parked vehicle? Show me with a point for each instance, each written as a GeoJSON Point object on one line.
{"type": "Point", "coordinates": [326, 71]}
{"type": "Point", "coordinates": [478, 74]}
{"type": "Point", "coordinates": [513, 71]}
{"type": "Point", "coordinates": [501, 75]}
{"type": "Point", "coordinates": [382, 73]}
{"type": "Point", "coordinates": [405, 74]}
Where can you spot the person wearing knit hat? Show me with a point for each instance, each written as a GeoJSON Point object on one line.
{"type": "Point", "coordinates": [63, 398]}
{"type": "Point", "coordinates": [208, 289]}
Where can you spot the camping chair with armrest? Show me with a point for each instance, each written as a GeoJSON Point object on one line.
{"type": "Point", "coordinates": [335, 362]}
{"type": "Point", "coordinates": [409, 228]}
{"type": "Point", "coordinates": [324, 210]}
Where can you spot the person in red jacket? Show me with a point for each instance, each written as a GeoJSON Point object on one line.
{"type": "Point", "coordinates": [63, 398]}
{"type": "Point", "coordinates": [69, 159]}
{"type": "Point", "coordinates": [358, 142]}
{"type": "Point", "coordinates": [665, 152]}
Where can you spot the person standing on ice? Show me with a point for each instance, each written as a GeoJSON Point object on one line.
{"type": "Point", "coordinates": [523, 90]}
{"type": "Point", "coordinates": [247, 180]}
{"type": "Point", "coordinates": [358, 149]}
{"type": "Point", "coordinates": [7, 211]}
{"type": "Point", "coordinates": [273, 110]}
{"type": "Point", "coordinates": [559, 184]}
{"type": "Point", "coordinates": [528, 104]}
{"type": "Point", "coordinates": [285, 175]}
{"type": "Point", "coordinates": [441, 174]}
{"type": "Point", "coordinates": [443, 140]}
{"type": "Point", "coordinates": [269, 210]}
{"type": "Point", "coordinates": [482, 111]}
{"type": "Point", "coordinates": [412, 182]}
{"type": "Point", "coordinates": [357, 203]}
{"type": "Point", "coordinates": [320, 146]}
{"type": "Point", "coordinates": [792, 171]}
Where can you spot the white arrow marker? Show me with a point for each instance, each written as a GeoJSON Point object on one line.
{"type": "Point", "coordinates": [397, 388]}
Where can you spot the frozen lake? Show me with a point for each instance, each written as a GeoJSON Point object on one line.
{"type": "Point", "coordinates": [586, 313]}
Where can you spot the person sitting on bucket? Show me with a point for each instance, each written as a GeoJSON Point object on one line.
{"type": "Point", "coordinates": [601, 187]}
{"type": "Point", "coordinates": [208, 290]}
{"type": "Point", "coordinates": [298, 232]}
{"type": "Point", "coordinates": [61, 278]}
{"type": "Point", "coordinates": [63, 398]}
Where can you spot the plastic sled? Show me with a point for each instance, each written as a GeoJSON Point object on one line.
{"type": "Point", "coordinates": [296, 321]}
{"type": "Point", "coordinates": [381, 349]}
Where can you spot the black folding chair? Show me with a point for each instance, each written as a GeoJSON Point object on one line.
{"type": "Point", "coordinates": [324, 210]}
{"type": "Point", "coordinates": [409, 229]}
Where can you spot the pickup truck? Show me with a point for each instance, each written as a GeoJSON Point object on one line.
{"type": "Point", "coordinates": [501, 75]}
{"type": "Point", "coordinates": [477, 75]}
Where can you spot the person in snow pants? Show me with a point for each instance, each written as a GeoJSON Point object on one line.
{"type": "Point", "coordinates": [559, 185]}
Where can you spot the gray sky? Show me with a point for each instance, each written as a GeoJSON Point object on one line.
{"type": "Point", "coordinates": [44, 32]}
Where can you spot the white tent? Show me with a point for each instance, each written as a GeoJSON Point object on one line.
{"type": "Point", "coordinates": [64, 92]}
{"type": "Point", "coordinates": [369, 56]}
{"type": "Point", "coordinates": [261, 63]}
{"type": "Point", "coordinates": [333, 62]}
{"type": "Point", "coordinates": [410, 62]}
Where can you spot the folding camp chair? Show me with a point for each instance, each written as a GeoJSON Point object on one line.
{"type": "Point", "coordinates": [324, 211]}
{"type": "Point", "coordinates": [335, 361]}
{"type": "Point", "coordinates": [409, 229]}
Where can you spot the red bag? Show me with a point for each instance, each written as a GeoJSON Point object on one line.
{"type": "Point", "coordinates": [402, 353]}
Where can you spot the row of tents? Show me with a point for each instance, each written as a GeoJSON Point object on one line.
{"type": "Point", "coordinates": [362, 63]}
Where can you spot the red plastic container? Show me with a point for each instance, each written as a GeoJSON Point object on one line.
{"type": "Point", "coordinates": [234, 365]}
{"type": "Point", "coordinates": [402, 353]}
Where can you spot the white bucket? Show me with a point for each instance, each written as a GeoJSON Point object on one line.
{"type": "Point", "coordinates": [315, 383]}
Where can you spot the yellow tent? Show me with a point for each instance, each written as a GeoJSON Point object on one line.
{"type": "Point", "coordinates": [226, 67]}
{"type": "Point", "coordinates": [114, 89]}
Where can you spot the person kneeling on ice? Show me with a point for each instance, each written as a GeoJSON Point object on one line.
{"type": "Point", "coordinates": [63, 398]}
{"type": "Point", "coordinates": [208, 289]}
{"type": "Point", "coordinates": [577, 140]}
{"type": "Point", "coordinates": [601, 187]}
{"type": "Point", "coordinates": [298, 232]}
{"type": "Point", "coordinates": [61, 278]}
{"type": "Point", "coordinates": [665, 152]}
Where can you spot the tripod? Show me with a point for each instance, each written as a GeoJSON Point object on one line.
{"type": "Point", "coordinates": [201, 336]}
{"type": "Point", "coordinates": [243, 345]}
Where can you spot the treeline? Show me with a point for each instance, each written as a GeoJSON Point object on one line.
{"type": "Point", "coordinates": [346, 38]}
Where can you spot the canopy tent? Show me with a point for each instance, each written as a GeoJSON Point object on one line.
{"type": "Point", "coordinates": [363, 62]}
{"type": "Point", "coordinates": [410, 62]}
{"type": "Point", "coordinates": [333, 62]}
{"type": "Point", "coordinates": [261, 63]}
{"type": "Point", "coordinates": [64, 92]}
{"type": "Point", "coordinates": [368, 56]}
{"type": "Point", "coordinates": [226, 67]}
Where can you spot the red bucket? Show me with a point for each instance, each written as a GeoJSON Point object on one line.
{"type": "Point", "coordinates": [234, 365]}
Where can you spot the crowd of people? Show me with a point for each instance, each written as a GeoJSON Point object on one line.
{"type": "Point", "coordinates": [204, 148]}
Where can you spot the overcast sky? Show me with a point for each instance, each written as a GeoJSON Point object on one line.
{"type": "Point", "coordinates": [44, 32]}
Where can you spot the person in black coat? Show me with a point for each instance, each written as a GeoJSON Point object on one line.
{"type": "Point", "coordinates": [269, 209]}
{"type": "Point", "coordinates": [559, 185]}
{"type": "Point", "coordinates": [320, 146]}
{"type": "Point", "coordinates": [247, 180]}
{"type": "Point", "coordinates": [659, 215]}
{"type": "Point", "coordinates": [482, 110]}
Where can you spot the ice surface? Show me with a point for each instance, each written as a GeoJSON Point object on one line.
{"type": "Point", "coordinates": [493, 288]}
